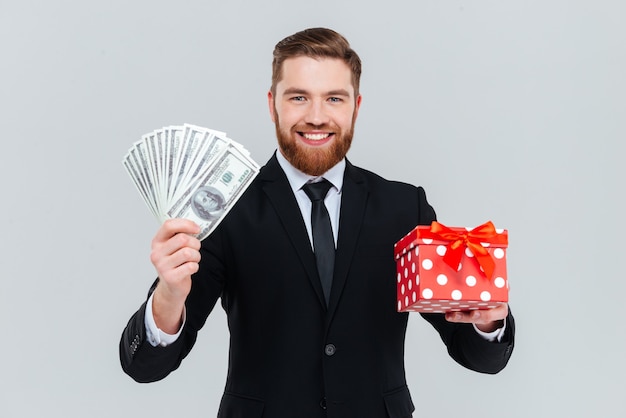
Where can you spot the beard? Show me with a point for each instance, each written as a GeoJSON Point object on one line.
{"type": "Point", "coordinates": [314, 161]}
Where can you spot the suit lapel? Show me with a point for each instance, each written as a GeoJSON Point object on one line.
{"type": "Point", "coordinates": [353, 202]}
{"type": "Point", "coordinates": [278, 191]}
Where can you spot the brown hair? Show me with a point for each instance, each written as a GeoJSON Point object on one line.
{"type": "Point", "coordinates": [316, 43]}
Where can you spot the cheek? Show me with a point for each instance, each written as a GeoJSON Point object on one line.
{"type": "Point", "coordinates": [287, 118]}
{"type": "Point", "coordinates": [345, 121]}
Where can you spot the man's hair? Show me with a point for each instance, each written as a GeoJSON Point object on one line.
{"type": "Point", "coordinates": [316, 43]}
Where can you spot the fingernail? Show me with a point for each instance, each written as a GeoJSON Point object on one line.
{"type": "Point", "coordinates": [475, 315]}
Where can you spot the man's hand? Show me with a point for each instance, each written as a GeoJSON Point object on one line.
{"type": "Point", "coordinates": [175, 255]}
{"type": "Point", "coordinates": [486, 320]}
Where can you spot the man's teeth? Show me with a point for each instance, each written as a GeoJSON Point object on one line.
{"type": "Point", "coordinates": [315, 137]}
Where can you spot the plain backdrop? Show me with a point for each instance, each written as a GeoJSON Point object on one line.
{"type": "Point", "coordinates": [510, 111]}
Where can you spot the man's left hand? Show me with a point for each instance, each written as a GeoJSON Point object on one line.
{"type": "Point", "coordinates": [487, 320]}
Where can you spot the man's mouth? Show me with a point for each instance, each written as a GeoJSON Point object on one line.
{"type": "Point", "coordinates": [315, 136]}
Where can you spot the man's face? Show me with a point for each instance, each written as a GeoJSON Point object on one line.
{"type": "Point", "coordinates": [314, 109]}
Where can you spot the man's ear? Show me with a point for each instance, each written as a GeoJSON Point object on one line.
{"type": "Point", "coordinates": [357, 106]}
{"type": "Point", "coordinates": [270, 103]}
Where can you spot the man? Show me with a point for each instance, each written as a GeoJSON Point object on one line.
{"type": "Point", "coordinates": [298, 348]}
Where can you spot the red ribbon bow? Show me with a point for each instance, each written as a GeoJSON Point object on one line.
{"type": "Point", "coordinates": [460, 240]}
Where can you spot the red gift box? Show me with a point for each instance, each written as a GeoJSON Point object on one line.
{"type": "Point", "coordinates": [444, 268]}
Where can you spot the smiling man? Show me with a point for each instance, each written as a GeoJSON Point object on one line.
{"type": "Point", "coordinates": [304, 267]}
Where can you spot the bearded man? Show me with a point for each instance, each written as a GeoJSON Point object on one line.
{"type": "Point", "coordinates": [314, 332]}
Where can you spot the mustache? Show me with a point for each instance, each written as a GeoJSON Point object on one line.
{"type": "Point", "coordinates": [303, 127]}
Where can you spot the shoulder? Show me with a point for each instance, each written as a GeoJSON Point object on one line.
{"type": "Point", "coordinates": [392, 194]}
{"type": "Point", "coordinates": [380, 184]}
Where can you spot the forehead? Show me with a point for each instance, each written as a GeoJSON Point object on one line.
{"type": "Point", "coordinates": [315, 74]}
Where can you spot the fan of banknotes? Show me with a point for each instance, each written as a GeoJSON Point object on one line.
{"type": "Point", "coordinates": [190, 172]}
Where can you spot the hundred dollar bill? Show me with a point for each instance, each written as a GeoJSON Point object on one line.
{"type": "Point", "coordinates": [212, 195]}
{"type": "Point", "coordinates": [205, 155]}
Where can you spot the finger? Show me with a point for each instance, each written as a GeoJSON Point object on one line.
{"type": "Point", "coordinates": [175, 226]}
{"type": "Point", "coordinates": [165, 262]}
{"type": "Point", "coordinates": [180, 273]}
{"type": "Point", "coordinates": [175, 243]}
{"type": "Point", "coordinates": [479, 316]}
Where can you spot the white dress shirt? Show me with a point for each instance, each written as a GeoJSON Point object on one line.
{"type": "Point", "coordinates": [296, 179]}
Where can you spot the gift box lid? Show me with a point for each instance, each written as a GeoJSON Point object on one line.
{"type": "Point", "coordinates": [438, 234]}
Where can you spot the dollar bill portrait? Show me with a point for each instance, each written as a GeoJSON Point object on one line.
{"type": "Point", "coordinates": [208, 203]}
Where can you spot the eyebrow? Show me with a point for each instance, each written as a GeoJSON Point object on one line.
{"type": "Point", "coordinates": [295, 90]}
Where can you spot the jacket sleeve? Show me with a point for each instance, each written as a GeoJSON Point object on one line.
{"type": "Point", "coordinates": [471, 350]}
{"type": "Point", "coordinates": [144, 362]}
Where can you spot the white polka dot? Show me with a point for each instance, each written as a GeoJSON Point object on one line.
{"type": "Point", "coordinates": [427, 264]}
{"type": "Point", "coordinates": [425, 302]}
{"type": "Point", "coordinates": [410, 285]}
{"type": "Point", "coordinates": [470, 281]}
{"type": "Point", "coordinates": [402, 262]}
{"type": "Point", "coordinates": [417, 279]}
{"type": "Point", "coordinates": [485, 244]}
{"type": "Point", "coordinates": [406, 272]}
{"type": "Point", "coordinates": [464, 306]}
{"type": "Point", "coordinates": [441, 250]}
{"type": "Point", "coordinates": [406, 301]}
{"type": "Point", "coordinates": [456, 294]}
{"type": "Point", "coordinates": [413, 267]}
{"type": "Point", "coordinates": [414, 296]}
{"type": "Point", "coordinates": [427, 293]}
{"type": "Point", "coordinates": [499, 230]}
{"type": "Point", "coordinates": [427, 241]}
{"type": "Point", "coordinates": [469, 252]}
{"type": "Point", "coordinates": [460, 267]}
{"type": "Point", "coordinates": [499, 282]}
{"type": "Point", "coordinates": [427, 309]}
{"type": "Point", "coordinates": [399, 306]}
{"type": "Point", "coordinates": [486, 296]}
{"type": "Point", "coordinates": [409, 256]}
{"type": "Point", "coordinates": [453, 303]}
{"type": "Point", "coordinates": [399, 277]}
{"type": "Point", "coordinates": [442, 280]}
{"type": "Point", "coordinates": [417, 251]}
{"type": "Point", "coordinates": [402, 289]}
{"type": "Point", "coordinates": [498, 253]}
{"type": "Point", "coordinates": [467, 228]}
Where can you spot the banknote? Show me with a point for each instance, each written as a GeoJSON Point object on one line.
{"type": "Point", "coordinates": [208, 199]}
{"type": "Point", "coordinates": [187, 171]}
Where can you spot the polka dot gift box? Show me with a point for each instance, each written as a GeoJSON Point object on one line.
{"type": "Point", "coordinates": [444, 268]}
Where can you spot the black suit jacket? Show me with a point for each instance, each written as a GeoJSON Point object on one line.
{"type": "Point", "coordinates": [290, 355]}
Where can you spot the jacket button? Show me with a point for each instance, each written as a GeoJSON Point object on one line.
{"type": "Point", "coordinates": [323, 403]}
{"type": "Point", "coordinates": [330, 349]}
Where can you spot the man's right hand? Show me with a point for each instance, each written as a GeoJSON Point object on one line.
{"type": "Point", "coordinates": [175, 255]}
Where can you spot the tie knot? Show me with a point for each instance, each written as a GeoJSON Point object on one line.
{"type": "Point", "coordinates": [317, 191]}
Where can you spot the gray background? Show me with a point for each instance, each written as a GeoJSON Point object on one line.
{"type": "Point", "coordinates": [502, 110]}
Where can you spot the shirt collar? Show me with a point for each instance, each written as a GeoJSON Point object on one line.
{"type": "Point", "coordinates": [297, 178]}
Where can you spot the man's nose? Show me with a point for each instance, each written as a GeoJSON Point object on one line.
{"type": "Point", "coordinates": [317, 114]}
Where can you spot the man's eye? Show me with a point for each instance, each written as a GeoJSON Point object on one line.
{"type": "Point", "coordinates": [335, 99]}
{"type": "Point", "coordinates": [298, 98]}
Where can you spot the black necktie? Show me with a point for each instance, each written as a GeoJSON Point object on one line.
{"type": "Point", "coordinates": [323, 241]}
